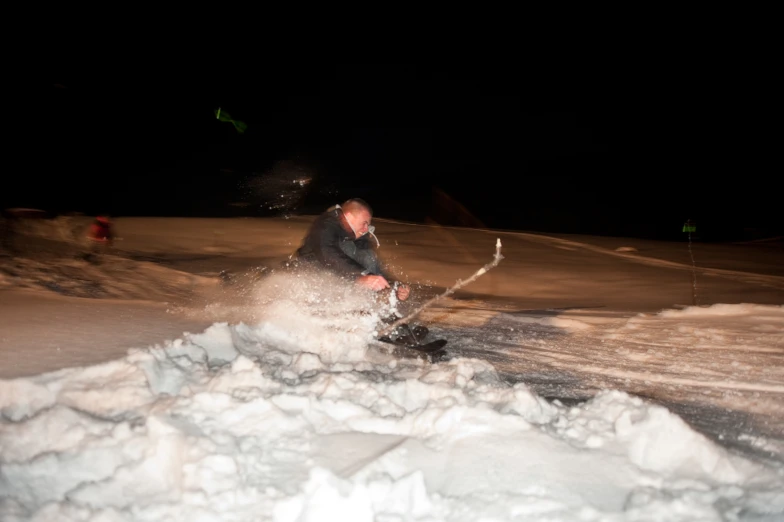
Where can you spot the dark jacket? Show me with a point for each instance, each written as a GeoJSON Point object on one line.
{"type": "Point", "coordinates": [329, 242]}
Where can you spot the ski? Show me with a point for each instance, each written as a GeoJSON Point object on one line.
{"type": "Point", "coordinates": [409, 341]}
{"type": "Point", "coordinates": [430, 347]}
{"type": "Point", "coordinates": [435, 351]}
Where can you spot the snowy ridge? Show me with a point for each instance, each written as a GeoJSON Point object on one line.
{"type": "Point", "coordinates": [176, 414]}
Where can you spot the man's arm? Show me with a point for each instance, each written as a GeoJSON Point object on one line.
{"type": "Point", "coordinates": [328, 252]}
{"type": "Point", "coordinates": [366, 256]}
{"type": "Point", "coordinates": [373, 263]}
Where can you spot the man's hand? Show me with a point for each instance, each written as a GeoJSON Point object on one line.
{"type": "Point", "coordinates": [373, 282]}
{"type": "Point", "coordinates": [402, 292]}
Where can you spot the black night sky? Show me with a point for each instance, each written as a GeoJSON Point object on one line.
{"type": "Point", "coordinates": [406, 138]}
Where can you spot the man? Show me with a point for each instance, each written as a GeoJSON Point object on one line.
{"type": "Point", "coordinates": [339, 240]}
{"type": "Point", "coordinates": [100, 237]}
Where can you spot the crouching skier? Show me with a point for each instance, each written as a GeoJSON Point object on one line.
{"type": "Point", "coordinates": [341, 241]}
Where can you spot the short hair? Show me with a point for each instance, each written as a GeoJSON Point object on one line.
{"type": "Point", "coordinates": [353, 204]}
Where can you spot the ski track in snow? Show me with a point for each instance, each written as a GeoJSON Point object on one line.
{"type": "Point", "coordinates": [725, 395]}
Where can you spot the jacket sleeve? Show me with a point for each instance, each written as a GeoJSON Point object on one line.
{"type": "Point", "coordinates": [370, 259]}
{"type": "Point", "coordinates": [327, 250]}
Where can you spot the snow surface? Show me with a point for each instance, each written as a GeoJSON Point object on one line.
{"type": "Point", "coordinates": [589, 379]}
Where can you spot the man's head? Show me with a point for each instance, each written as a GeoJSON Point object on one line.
{"type": "Point", "coordinates": [358, 214]}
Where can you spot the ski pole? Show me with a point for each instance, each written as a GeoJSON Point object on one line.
{"type": "Point", "coordinates": [460, 284]}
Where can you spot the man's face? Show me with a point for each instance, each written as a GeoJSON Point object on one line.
{"type": "Point", "coordinates": [359, 221]}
